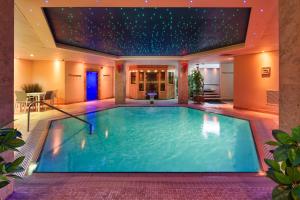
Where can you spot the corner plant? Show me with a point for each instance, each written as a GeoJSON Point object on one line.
{"type": "Point", "coordinates": [197, 82]}
{"type": "Point", "coordinates": [284, 169]}
{"type": "Point", "coordinates": [10, 140]}
{"type": "Point", "coordinates": [35, 87]}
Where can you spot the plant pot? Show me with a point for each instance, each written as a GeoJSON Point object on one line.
{"type": "Point", "coordinates": [7, 190]}
{"type": "Point", "coordinates": [198, 99]}
{"type": "Point", "coordinates": [8, 156]}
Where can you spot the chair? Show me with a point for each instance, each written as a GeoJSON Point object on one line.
{"type": "Point", "coordinates": [21, 100]}
{"type": "Point", "coordinates": [49, 96]}
{"type": "Point", "coordinates": [54, 96]}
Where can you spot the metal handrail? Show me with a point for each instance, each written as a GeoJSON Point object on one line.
{"type": "Point", "coordinates": [55, 108]}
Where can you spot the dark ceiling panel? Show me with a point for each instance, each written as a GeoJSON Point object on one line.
{"type": "Point", "coordinates": [148, 31]}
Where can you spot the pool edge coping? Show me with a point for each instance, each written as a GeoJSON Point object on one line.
{"type": "Point", "coordinates": [254, 132]}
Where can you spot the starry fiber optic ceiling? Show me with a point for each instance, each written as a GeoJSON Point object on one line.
{"type": "Point", "coordinates": [148, 31]}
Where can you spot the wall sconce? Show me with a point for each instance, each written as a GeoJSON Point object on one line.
{"type": "Point", "coordinates": [119, 67]}
{"type": "Point", "coordinates": [184, 67]}
{"type": "Point", "coordinates": [266, 72]}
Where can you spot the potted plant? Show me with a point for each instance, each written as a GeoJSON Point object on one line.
{"type": "Point", "coordinates": [196, 85]}
{"type": "Point", "coordinates": [284, 169]}
{"type": "Point", "coordinates": [10, 140]}
{"type": "Point", "coordinates": [31, 88]}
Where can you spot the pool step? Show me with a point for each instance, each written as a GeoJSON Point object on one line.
{"type": "Point", "coordinates": [211, 96]}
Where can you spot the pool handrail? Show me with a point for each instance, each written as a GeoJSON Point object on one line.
{"type": "Point", "coordinates": [55, 108]}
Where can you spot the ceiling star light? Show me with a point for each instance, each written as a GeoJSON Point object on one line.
{"type": "Point", "coordinates": [148, 31]}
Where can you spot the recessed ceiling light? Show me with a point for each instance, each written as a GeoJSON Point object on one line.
{"type": "Point", "coordinates": [31, 55]}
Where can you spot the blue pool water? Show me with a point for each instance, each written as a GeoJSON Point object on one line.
{"type": "Point", "coordinates": [150, 139]}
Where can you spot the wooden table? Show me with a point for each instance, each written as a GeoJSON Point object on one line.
{"type": "Point", "coordinates": [37, 96]}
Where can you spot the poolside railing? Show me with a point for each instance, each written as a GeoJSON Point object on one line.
{"type": "Point", "coordinates": [55, 108]}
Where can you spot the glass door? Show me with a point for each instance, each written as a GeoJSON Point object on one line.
{"type": "Point", "coordinates": [151, 83]}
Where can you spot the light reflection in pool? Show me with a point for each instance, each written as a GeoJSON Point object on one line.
{"type": "Point", "coordinates": [211, 125]}
{"type": "Point", "coordinates": [57, 140]}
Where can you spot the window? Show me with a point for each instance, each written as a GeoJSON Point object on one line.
{"type": "Point", "coordinates": [162, 76]}
{"type": "Point", "coordinates": [152, 76]}
{"type": "Point", "coordinates": [141, 76]}
{"type": "Point", "coordinates": [133, 77]}
{"type": "Point", "coordinates": [162, 87]}
{"type": "Point", "coordinates": [141, 87]}
{"type": "Point", "coordinates": [171, 77]}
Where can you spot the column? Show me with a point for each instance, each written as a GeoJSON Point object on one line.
{"type": "Point", "coordinates": [7, 76]}
{"type": "Point", "coordinates": [289, 64]}
{"type": "Point", "coordinates": [120, 82]}
{"type": "Point", "coordinates": [183, 87]}
{"type": "Point", "coordinates": [7, 62]}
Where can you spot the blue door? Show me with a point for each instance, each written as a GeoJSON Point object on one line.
{"type": "Point", "coordinates": [91, 86]}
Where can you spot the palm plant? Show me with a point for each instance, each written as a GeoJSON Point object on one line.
{"type": "Point", "coordinates": [29, 88]}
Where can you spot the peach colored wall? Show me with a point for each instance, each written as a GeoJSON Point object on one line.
{"type": "Point", "coordinates": [68, 78]}
{"type": "Point", "coordinates": [22, 73]}
{"type": "Point", "coordinates": [74, 82]}
{"type": "Point", "coordinates": [75, 78]}
{"type": "Point", "coordinates": [120, 82]}
{"type": "Point", "coordinates": [50, 75]}
{"type": "Point", "coordinates": [107, 83]}
{"type": "Point", "coordinates": [226, 81]}
{"type": "Point", "coordinates": [249, 86]}
{"type": "Point", "coordinates": [183, 93]}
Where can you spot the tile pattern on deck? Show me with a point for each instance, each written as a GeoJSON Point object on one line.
{"type": "Point", "coordinates": [149, 186]}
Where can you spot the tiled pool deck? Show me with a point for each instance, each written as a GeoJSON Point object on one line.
{"type": "Point", "coordinates": [141, 186]}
